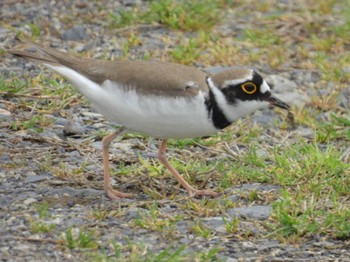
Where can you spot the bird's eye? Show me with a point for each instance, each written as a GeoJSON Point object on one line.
{"type": "Point", "coordinates": [249, 88]}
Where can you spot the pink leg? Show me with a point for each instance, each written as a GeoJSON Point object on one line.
{"type": "Point", "coordinates": [111, 193]}
{"type": "Point", "coordinates": [192, 191]}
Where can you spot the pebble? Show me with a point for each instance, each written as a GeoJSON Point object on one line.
{"type": "Point", "coordinates": [136, 213]}
{"type": "Point", "coordinates": [92, 115]}
{"type": "Point", "coordinates": [5, 115]}
{"type": "Point", "coordinates": [182, 227]}
{"type": "Point", "coordinates": [265, 119]}
{"type": "Point", "coordinates": [76, 33]}
{"type": "Point", "coordinates": [50, 135]}
{"type": "Point", "coordinates": [70, 201]}
{"type": "Point", "coordinates": [29, 201]}
{"type": "Point", "coordinates": [215, 224]}
{"type": "Point", "coordinates": [280, 84]}
{"type": "Point", "coordinates": [5, 158]}
{"type": "Point", "coordinates": [233, 198]}
{"type": "Point", "coordinates": [2, 175]}
{"type": "Point", "coordinates": [304, 132]}
{"type": "Point", "coordinates": [304, 76]}
{"type": "Point", "coordinates": [252, 212]}
{"type": "Point", "coordinates": [344, 98]}
{"type": "Point", "coordinates": [325, 244]}
{"type": "Point", "coordinates": [346, 69]}
{"type": "Point", "coordinates": [74, 128]}
{"type": "Point", "coordinates": [259, 187]}
{"type": "Point", "coordinates": [37, 178]}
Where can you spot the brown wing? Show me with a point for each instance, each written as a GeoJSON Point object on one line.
{"type": "Point", "coordinates": [151, 77]}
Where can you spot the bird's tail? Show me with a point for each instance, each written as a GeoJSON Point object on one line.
{"type": "Point", "coordinates": [62, 63]}
{"type": "Point", "coordinates": [39, 53]}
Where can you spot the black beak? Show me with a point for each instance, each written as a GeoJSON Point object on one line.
{"type": "Point", "coordinates": [279, 103]}
{"type": "Point", "coordinates": [276, 102]}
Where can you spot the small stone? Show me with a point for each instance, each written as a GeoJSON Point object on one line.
{"type": "Point", "coordinates": [346, 69]}
{"type": "Point", "coordinates": [4, 249]}
{"type": "Point", "coordinates": [215, 224]}
{"type": "Point", "coordinates": [70, 203]}
{"type": "Point", "coordinates": [182, 226]}
{"type": "Point", "coordinates": [5, 115]}
{"type": "Point", "coordinates": [268, 245]}
{"type": "Point", "coordinates": [259, 187]}
{"type": "Point", "coordinates": [29, 201]}
{"type": "Point", "coordinates": [185, 241]}
{"type": "Point", "coordinates": [4, 157]}
{"type": "Point", "coordinates": [60, 150]}
{"type": "Point", "coordinates": [131, 2]}
{"type": "Point", "coordinates": [50, 135]}
{"type": "Point", "coordinates": [77, 32]}
{"type": "Point", "coordinates": [92, 115]}
{"type": "Point", "coordinates": [248, 245]}
{"type": "Point", "coordinates": [20, 247]}
{"type": "Point", "coordinates": [280, 84]}
{"type": "Point", "coordinates": [229, 259]}
{"type": "Point", "coordinates": [264, 119]}
{"type": "Point", "coordinates": [74, 221]}
{"type": "Point", "coordinates": [96, 145]}
{"type": "Point", "coordinates": [37, 178]}
{"type": "Point", "coordinates": [60, 121]}
{"type": "Point", "coordinates": [233, 198]}
{"type": "Point", "coordinates": [73, 128]}
{"type": "Point", "coordinates": [253, 212]}
{"type": "Point", "coordinates": [87, 192]}
{"type": "Point", "coordinates": [344, 98]}
{"type": "Point", "coordinates": [135, 213]}
{"type": "Point", "coordinates": [304, 132]}
{"type": "Point", "coordinates": [324, 244]}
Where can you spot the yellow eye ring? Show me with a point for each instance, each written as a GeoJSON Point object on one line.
{"type": "Point", "coordinates": [249, 88]}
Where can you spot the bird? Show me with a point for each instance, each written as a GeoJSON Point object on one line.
{"type": "Point", "coordinates": [158, 99]}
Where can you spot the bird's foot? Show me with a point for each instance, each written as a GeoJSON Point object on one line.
{"type": "Point", "coordinates": [204, 192]}
{"type": "Point", "coordinates": [116, 195]}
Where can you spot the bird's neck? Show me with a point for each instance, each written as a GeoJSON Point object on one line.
{"type": "Point", "coordinates": [217, 116]}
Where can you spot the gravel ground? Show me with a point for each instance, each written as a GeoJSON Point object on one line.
{"type": "Point", "coordinates": [74, 201]}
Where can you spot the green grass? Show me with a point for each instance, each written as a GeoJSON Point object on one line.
{"type": "Point", "coordinates": [231, 226]}
{"type": "Point", "coordinates": [200, 230]}
{"type": "Point", "coordinates": [156, 221]}
{"type": "Point", "coordinates": [35, 123]}
{"type": "Point", "coordinates": [140, 252]}
{"type": "Point", "coordinates": [41, 227]}
{"type": "Point", "coordinates": [41, 209]}
{"type": "Point", "coordinates": [262, 38]}
{"type": "Point", "coordinates": [186, 54]}
{"type": "Point", "coordinates": [297, 217]}
{"type": "Point", "coordinates": [83, 239]}
{"type": "Point", "coordinates": [183, 15]}
{"type": "Point", "coordinates": [317, 181]}
{"type": "Point", "coordinates": [312, 172]}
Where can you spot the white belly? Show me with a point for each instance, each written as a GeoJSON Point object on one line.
{"type": "Point", "coordinates": [163, 117]}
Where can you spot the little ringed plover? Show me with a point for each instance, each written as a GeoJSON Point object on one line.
{"type": "Point", "coordinates": [158, 99]}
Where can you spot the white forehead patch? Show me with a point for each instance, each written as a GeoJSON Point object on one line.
{"type": "Point", "coordinates": [264, 88]}
{"type": "Point", "coordinates": [232, 82]}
